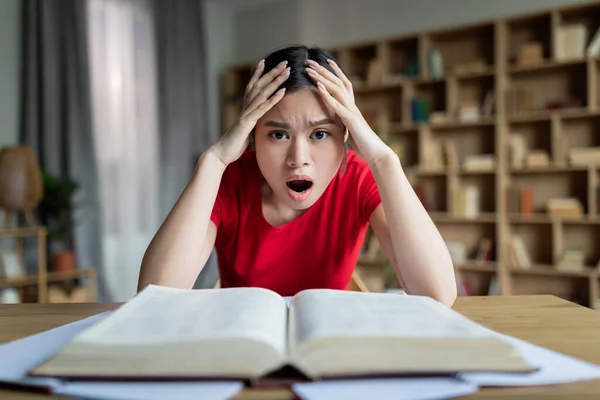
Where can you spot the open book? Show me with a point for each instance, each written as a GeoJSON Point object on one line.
{"type": "Point", "coordinates": [249, 333]}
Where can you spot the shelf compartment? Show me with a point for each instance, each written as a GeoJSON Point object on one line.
{"type": "Point", "coordinates": [463, 49]}
{"type": "Point", "coordinates": [530, 136]}
{"type": "Point", "coordinates": [545, 280]}
{"type": "Point", "coordinates": [465, 243]}
{"type": "Point", "coordinates": [586, 16]}
{"type": "Point", "coordinates": [461, 144]}
{"type": "Point", "coordinates": [559, 185]}
{"type": "Point", "coordinates": [381, 109]}
{"type": "Point", "coordinates": [528, 90]}
{"type": "Point", "coordinates": [585, 238]}
{"type": "Point", "coordinates": [535, 28]}
{"type": "Point", "coordinates": [581, 132]}
{"type": "Point", "coordinates": [432, 94]}
{"type": "Point", "coordinates": [404, 58]}
{"type": "Point", "coordinates": [406, 145]}
{"type": "Point", "coordinates": [51, 277]}
{"type": "Point", "coordinates": [433, 192]}
{"type": "Point", "coordinates": [477, 91]}
{"type": "Point", "coordinates": [538, 241]}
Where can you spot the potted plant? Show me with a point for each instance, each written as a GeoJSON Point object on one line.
{"type": "Point", "coordinates": [57, 213]}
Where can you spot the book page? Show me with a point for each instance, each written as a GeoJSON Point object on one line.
{"type": "Point", "coordinates": [325, 313]}
{"type": "Point", "coordinates": [162, 315]}
{"type": "Point", "coordinates": [336, 333]}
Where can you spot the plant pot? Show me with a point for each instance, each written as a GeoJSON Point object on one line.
{"type": "Point", "coordinates": [64, 261]}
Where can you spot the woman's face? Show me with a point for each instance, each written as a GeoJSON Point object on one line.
{"type": "Point", "coordinates": [299, 147]}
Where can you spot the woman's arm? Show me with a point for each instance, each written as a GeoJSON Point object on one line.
{"type": "Point", "coordinates": [408, 236]}
{"type": "Point", "coordinates": [180, 248]}
{"type": "Point", "coordinates": [405, 231]}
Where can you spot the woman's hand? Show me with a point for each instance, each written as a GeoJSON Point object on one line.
{"type": "Point", "coordinates": [257, 102]}
{"type": "Point", "coordinates": [336, 91]}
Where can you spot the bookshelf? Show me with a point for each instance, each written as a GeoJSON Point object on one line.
{"type": "Point", "coordinates": [41, 285]}
{"type": "Point", "coordinates": [497, 124]}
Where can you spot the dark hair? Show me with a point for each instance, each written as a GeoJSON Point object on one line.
{"type": "Point", "coordinates": [297, 56]}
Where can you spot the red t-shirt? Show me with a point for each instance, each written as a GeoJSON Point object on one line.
{"type": "Point", "coordinates": [317, 250]}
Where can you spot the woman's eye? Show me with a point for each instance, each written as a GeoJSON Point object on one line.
{"type": "Point", "coordinates": [278, 135]}
{"type": "Point", "coordinates": [319, 135]}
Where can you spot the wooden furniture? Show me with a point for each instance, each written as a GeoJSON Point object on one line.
{"type": "Point", "coordinates": [36, 287]}
{"type": "Point", "coordinates": [543, 320]}
{"type": "Point", "coordinates": [496, 123]}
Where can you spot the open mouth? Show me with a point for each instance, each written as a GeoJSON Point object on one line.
{"type": "Point", "coordinates": [299, 185]}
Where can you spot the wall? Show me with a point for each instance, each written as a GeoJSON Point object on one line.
{"type": "Point", "coordinates": [331, 23]}
{"type": "Point", "coordinates": [10, 35]}
{"type": "Point", "coordinates": [263, 28]}
{"type": "Point", "coordinates": [220, 30]}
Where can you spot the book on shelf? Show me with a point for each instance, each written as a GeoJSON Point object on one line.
{"type": "Point", "coordinates": [537, 158]}
{"type": "Point", "coordinates": [520, 200]}
{"type": "Point", "coordinates": [583, 156]}
{"type": "Point", "coordinates": [570, 41]}
{"type": "Point", "coordinates": [518, 254]}
{"type": "Point", "coordinates": [517, 149]}
{"type": "Point", "coordinates": [569, 207]}
{"type": "Point", "coordinates": [253, 334]}
{"type": "Point", "coordinates": [465, 201]}
{"type": "Point", "coordinates": [479, 162]}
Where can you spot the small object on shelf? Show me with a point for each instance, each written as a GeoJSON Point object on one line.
{"type": "Point", "coordinates": [468, 112]}
{"type": "Point", "coordinates": [484, 251]}
{"type": "Point", "coordinates": [537, 158]}
{"type": "Point", "coordinates": [530, 54]}
{"type": "Point", "coordinates": [436, 63]}
{"type": "Point", "coordinates": [458, 252]}
{"type": "Point", "coordinates": [470, 67]}
{"type": "Point", "coordinates": [419, 110]}
{"type": "Point", "coordinates": [518, 149]}
{"type": "Point", "coordinates": [9, 296]}
{"type": "Point", "coordinates": [571, 260]}
{"type": "Point", "coordinates": [438, 117]}
{"type": "Point", "coordinates": [11, 265]}
{"type": "Point", "coordinates": [21, 186]}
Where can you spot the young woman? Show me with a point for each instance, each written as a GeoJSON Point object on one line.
{"type": "Point", "coordinates": [292, 214]}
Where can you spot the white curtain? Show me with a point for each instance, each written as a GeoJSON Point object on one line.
{"type": "Point", "coordinates": [124, 110]}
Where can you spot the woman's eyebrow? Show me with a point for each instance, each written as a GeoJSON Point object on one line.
{"type": "Point", "coordinates": [283, 125]}
{"type": "Point", "coordinates": [323, 121]}
{"type": "Point", "coordinates": [277, 124]}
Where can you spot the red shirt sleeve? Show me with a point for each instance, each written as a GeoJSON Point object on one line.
{"type": "Point", "coordinates": [368, 193]}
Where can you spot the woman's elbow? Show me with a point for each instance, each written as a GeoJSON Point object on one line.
{"type": "Point", "coordinates": [447, 295]}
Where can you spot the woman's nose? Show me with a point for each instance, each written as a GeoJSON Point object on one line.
{"type": "Point", "coordinates": [298, 154]}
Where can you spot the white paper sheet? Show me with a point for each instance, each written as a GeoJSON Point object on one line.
{"type": "Point", "coordinates": [382, 389]}
{"type": "Point", "coordinates": [554, 367]}
{"type": "Point", "coordinates": [20, 356]}
{"type": "Point", "coordinates": [151, 390]}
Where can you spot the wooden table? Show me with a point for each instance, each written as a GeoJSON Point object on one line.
{"type": "Point", "coordinates": [543, 320]}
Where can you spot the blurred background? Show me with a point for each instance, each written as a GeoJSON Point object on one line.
{"type": "Point", "coordinates": [105, 106]}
